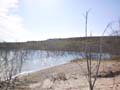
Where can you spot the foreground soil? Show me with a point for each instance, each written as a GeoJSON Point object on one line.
{"type": "Point", "coordinates": [71, 76]}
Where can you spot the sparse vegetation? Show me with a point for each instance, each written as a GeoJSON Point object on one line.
{"type": "Point", "coordinates": [69, 44]}
{"type": "Point", "coordinates": [116, 58]}
{"type": "Point", "coordinates": [59, 76]}
{"type": "Point", "coordinates": [11, 62]}
{"type": "Point", "coordinates": [77, 60]}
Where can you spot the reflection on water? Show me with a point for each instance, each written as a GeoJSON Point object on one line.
{"type": "Point", "coordinates": [42, 59]}
{"type": "Point", "coordinates": [13, 62]}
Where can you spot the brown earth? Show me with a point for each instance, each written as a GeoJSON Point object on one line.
{"type": "Point", "coordinates": [71, 76]}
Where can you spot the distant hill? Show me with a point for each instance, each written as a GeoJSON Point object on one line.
{"type": "Point", "coordinates": [110, 44]}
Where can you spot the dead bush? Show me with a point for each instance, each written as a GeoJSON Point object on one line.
{"type": "Point", "coordinates": [59, 76]}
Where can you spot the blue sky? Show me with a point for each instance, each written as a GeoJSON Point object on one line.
{"type": "Point", "coordinates": [27, 20]}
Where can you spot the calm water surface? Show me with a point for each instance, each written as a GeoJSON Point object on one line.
{"type": "Point", "coordinates": [41, 59]}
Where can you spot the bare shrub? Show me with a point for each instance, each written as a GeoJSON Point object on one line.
{"type": "Point", "coordinates": [58, 76]}
{"type": "Point", "coordinates": [10, 64]}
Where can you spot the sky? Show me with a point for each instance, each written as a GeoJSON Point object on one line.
{"type": "Point", "coordinates": [33, 20]}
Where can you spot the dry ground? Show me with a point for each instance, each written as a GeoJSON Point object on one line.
{"type": "Point", "coordinates": [71, 76]}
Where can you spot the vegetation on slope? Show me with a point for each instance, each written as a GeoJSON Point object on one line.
{"type": "Point", "coordinates": [109, 44]}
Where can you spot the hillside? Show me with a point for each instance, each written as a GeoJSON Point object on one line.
{"type": "Point", "coordinates": [109, 44]}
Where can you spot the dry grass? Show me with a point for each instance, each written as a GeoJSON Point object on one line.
{"type": "Point", "coordinates": [77, 60]}
{"type": "Point", "coordinates": [62, 76]}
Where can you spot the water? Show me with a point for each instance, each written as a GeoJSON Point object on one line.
{"type": "Point", "coordinates": [43, 59]}
{"type": "Point", "coordinates": [32, 60]}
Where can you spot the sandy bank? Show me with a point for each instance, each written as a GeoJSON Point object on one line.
{"type": "Point", "coordinates": [70, 76]}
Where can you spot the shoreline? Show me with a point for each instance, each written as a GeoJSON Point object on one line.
{"type": "Point", "coordinates": [68, 76]}
{"type": "Point", "coordinates": [33, 71]}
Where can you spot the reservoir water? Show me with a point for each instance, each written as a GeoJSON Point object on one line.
{"type": "Point", "coordinates": [13, 62]}
{"type": "Point", "coordinates": [41, 59]}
